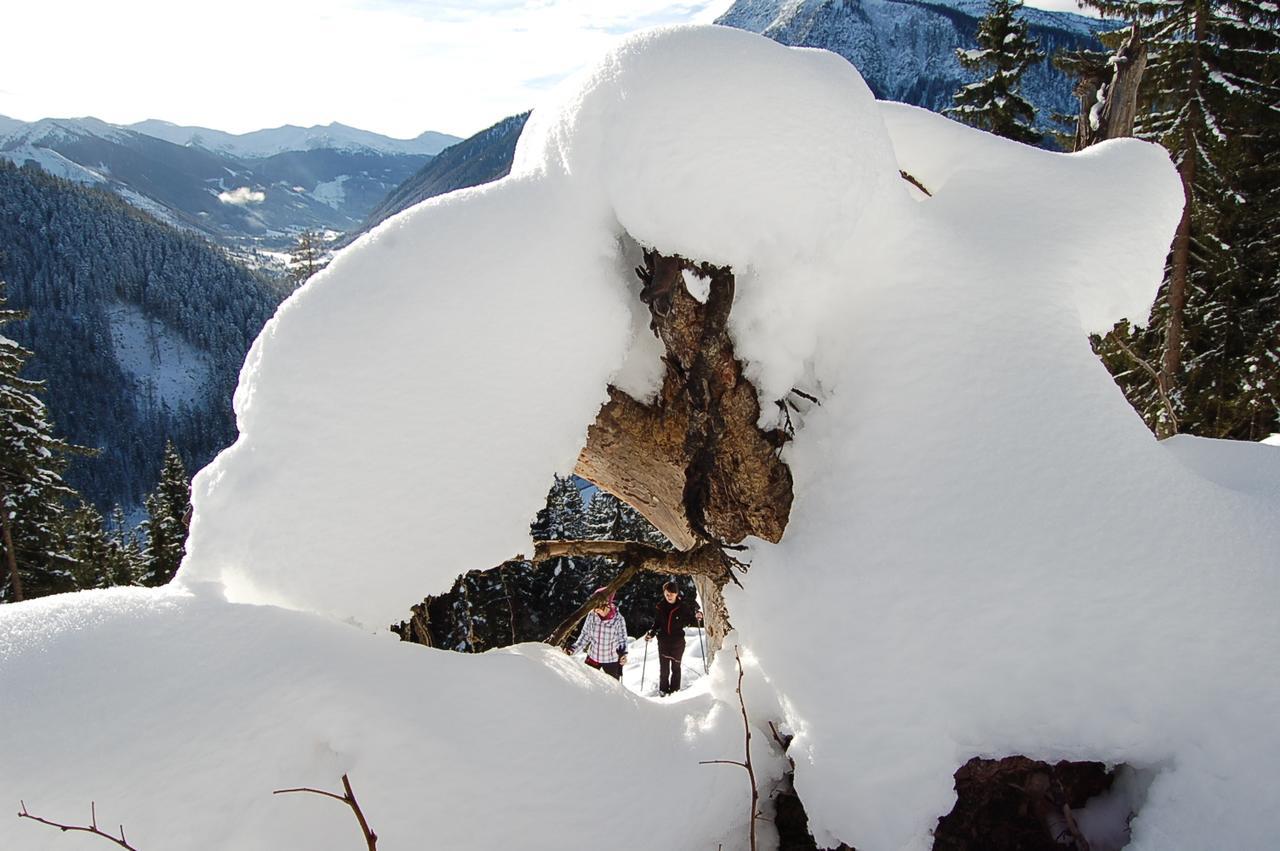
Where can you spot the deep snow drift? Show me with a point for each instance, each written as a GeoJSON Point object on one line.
{"type": "Point", "coordinates": [988, 553]}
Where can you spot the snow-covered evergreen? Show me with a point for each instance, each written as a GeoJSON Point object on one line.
{"type": "Point", "coordinates": [32, 492]}
{"type": "Point", "coordinates": [985, 588]}
{"type": "Point", "coordinates": [1005, 52]}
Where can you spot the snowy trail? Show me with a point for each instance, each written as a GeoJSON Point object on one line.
{"type": "Point", "coordinates": [694, 679]}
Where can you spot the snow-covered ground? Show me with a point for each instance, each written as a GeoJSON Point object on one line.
{"type": "Point", "coordinates": [168, 370]}
{"type": "Point", "coordinates": [988, 553]}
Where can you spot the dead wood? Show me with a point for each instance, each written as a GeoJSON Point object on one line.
{"type": "Point", "coordinates": [1109, 102]}
{"type": "Point", "coordinates": [707, 561]}
{"type": "Point", "coordinates": [693, 462]}
{"type": "Point", "coordinates": [745, 762]}
{"type": "Point", "coordinates": [92, 827]}
{"type": "Point", "coordinates": [349, 798]}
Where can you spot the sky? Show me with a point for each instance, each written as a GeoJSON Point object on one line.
{"type": "Point", "coordinates": [398, 67]}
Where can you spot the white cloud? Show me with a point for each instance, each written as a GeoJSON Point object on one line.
{"type": "Point", "coordinates": [241, 196]}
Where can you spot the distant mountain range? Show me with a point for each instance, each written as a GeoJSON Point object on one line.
{"type": "Point", "coordinates": [482, 158]}
{"type": "Point", "coordinates": [906, 49]}
{"type": "Point", "coordinates": [279, 140]}
{"type": "Point", "coordinates": [256, 190]}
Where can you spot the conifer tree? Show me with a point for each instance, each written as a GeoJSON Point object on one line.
{"type": "Point", "coordinates": [307, 257]}
{"type": "Point", "coordinates": [610, 519]}
{"type": "Point", "coordinates": [168, 508]}
{"type": "Point", "coordinates": [1206, 363]}
{"type": "Point", "coordinates": [563, 519]}
{"type": "Point", "coordinates": [1005, 47]}
{"type": "Point", "coordinates": [103, 553]}
{"type": "Point", "coordinates": [32, 491]}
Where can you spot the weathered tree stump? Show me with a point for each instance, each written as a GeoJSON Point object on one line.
{"type": "Point", "coordinates": [694, 462]}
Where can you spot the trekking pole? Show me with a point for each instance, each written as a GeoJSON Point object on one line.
{"type": "Point", "coordinates": [643, 665]}
{"type": "Point", "coordinates": [703, 648]}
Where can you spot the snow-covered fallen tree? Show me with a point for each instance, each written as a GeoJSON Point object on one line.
{"type": "Point", "coordinates": [987, 554]}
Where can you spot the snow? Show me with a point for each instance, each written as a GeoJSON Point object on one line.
{"type": "Point", "coordinates": [166, 368]}
{"type": "Point", "coordinates": [331, 192]}
{"type": "Point", "coordinates": [988, 553]}
{"type": "Point", "coordinates": [207, 707]}
{"type": "Point", "coordinates": [54, 163]}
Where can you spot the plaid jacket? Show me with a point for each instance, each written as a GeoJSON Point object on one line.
{"type": "Point", "coordinates": [607, 639]}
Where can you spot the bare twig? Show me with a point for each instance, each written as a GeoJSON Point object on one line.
{"type": "Point", "coordinates": [349, 798]}
{"type": "Point", "coordinates": [92, 827]}
{"type": "Point", "coordinates": [803, 395]}
{"type": "Point", "coordinates": [746, 763]}
{"type": "Point", "coordinates": [1156, 376]}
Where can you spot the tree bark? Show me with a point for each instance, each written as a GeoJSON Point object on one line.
{"type": "Point", "coordinates": [694, 462]}
{"type": "Point", "coordinates": [15, 578]}
{"type": "Point", "coordinates": [1114, 119]}
{"type": "Point", "coordinates": [706, 563]}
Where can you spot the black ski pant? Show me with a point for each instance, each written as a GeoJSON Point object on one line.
{"type": "Point", "coordinates": [613, 669]}
{"type": "Point", "coordinates": [670, 652]}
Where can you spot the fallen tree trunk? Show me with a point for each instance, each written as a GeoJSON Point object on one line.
{"type": "Point", "coordinates": [694, 462]}
{"type": "Point", "coordinates": [707, 562]}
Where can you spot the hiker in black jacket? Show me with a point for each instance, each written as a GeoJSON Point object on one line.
{"type": "Point", "coordinates": [671, 615]}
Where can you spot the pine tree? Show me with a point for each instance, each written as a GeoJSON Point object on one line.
{"type": "Point", "coordinates": [307, 257]}
{"type": "Point", "coordinates": [610, 519]}
{"type": "Point", "coordinates": [1007, 49]}
{"type": "Point", "coordinates": [563, 519]}
{"type": "Point", "coordinates": [1206, 363]}
{"type": "Point", "coordinates": [125, 562]}
{"type": "Point", "coordinates": [103, 553]}
{"type": "Point", "coordinates": [32, 492]}
{"type": "Point", "coordinates": [168, 508]}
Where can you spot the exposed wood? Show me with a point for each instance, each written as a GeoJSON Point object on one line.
{"type": "Point", "coordinates": [1109, 94]}
{"type": "Point", "coordinates": [1118, 93]}
{"type": "Point", "coordinates": [561, 633]}
{"type": "Point", "coordinates": [910, 178]}
{"type": "Point", "coordinates": [707, 562]}
{"type": "Point", "coordinates": [693, 462]}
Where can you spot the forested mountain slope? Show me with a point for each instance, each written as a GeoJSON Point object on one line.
{"type": "Point", "coordinates": [479, 159]}
{"type": "Point", "coordinates": [906, 49]}
{"type": "Point", "coordinates": [258, 190]}
{"type": "Point", "coordinates": [139, 328]}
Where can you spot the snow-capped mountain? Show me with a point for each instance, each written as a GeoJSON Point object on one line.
{"type": "Point", "coordinates": [278, 140]}
{"type": "Point", "coordinates": [906, 49]}
{"type": "Point", "coordinates": [317, 178]}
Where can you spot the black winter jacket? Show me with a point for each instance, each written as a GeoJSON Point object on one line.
{"type": "Point", "coordinates": [670, 619]}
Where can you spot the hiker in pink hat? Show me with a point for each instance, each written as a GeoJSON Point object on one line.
{"type": "Point", "coordinates": [604, 637]}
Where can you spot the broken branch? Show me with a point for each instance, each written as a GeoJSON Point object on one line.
{"type": "Point", "coordinates": [349, 798]}
{"type": "Point", "coordinates": [92, 827]}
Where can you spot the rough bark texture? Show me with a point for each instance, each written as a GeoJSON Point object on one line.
{"type": "Point", "coordinates": [694, 462]}
{"type": "Point", "coordinates": [15, 578]}
{"type": "Point", "coordinates": [1115, 118]}
{"type": "Point", "coordinates": [707, 563]}
{"type": "Point", "coordinates": [1018, 804]}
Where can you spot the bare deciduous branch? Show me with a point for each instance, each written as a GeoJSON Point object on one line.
{"type": "Point", "coordinates": [1155, 374]}
{"type": "Point", "coordinates": [349, 798]}
{"type": "Point", "coordinates": [92, 827]}
{"type": "Point", "coordinates": [746, 763]}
